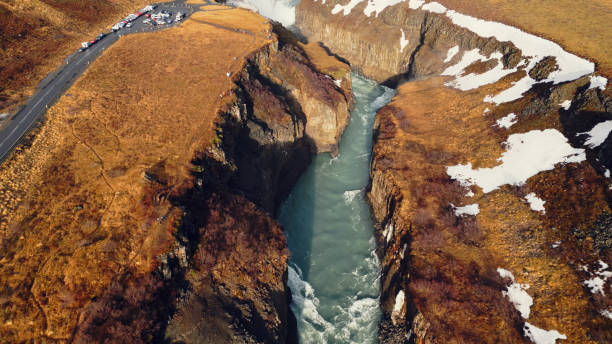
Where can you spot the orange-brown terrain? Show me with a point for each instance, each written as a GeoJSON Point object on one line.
{"type": "Point", "coordinates": [36, 35]}
{"type": "Point", "coordinates": [135, 213]}
{"type": "Point", "coordinates": [441, 281]}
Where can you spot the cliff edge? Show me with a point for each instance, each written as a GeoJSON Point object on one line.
{"type": "Point", "coordinates": [140, 210]}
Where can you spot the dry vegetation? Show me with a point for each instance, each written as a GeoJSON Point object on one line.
{"type": "Point", "coordinates": [77, 208]}
{"type": "Point", "coordinates": [581, 27]}
{"type": "Point", "coordinates": [453, 260]}
{"type": "Point", "coordinates": [36, 35]}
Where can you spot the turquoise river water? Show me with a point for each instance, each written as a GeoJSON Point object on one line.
{"type": "Point", "coordinates": [334, 271]}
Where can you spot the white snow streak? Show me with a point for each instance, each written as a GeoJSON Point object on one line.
{"type": "Point", "coordinates": [397, 307]}
{"type": "Point", "coordinates": [403, 41]}
{"type": "Point", "coordinates": [451, 53]}
{"type": "Point", "coordinates": [540, 336]}
{"type": "Point", "coordinates": [566, 104]}
{"type": "Point", "coordinates": [516, 294]}
{"type": "Point", "coordinates": [598, 134]}
{"type": "Point", "coordinates": [527, 154]}
{"type": "Point", "coordinates": [471, 209]}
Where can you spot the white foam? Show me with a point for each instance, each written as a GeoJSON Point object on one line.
{"type": "Point", "coordinates": [451, 53]}
{"type": "Point", "coordinates": [540, 336]}
{"type": "Point", "coordinates": [403, 41]}
{"type": "Point", "coordinates": [471, 209]}
{"type": "Point", "coordinates": [304, 303]}
{"type": "Point", "coordinates": [517, 294]}
{"type": "Point", "coordinates": [535, 202]}
{"type": "Point", "coordinates": [507, 121]}
{"type": "Point", "coordinates": [282, 11]}
{"type": "Point", "coordinates": [598, 134]}
{"type": "Point", "coordinates": [349, 196]}
{"type": "Point", "coordinates": [527, 154]}
{"type": "Point", "coordinates": [382, 100]}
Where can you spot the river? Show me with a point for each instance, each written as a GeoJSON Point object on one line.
{"type": "Point", "coordinates": [334, 271]}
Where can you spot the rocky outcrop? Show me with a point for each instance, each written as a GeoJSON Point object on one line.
{"type": "Point", "coordinates": [168, 234]}
{"type": "Point", "coordinates": [442, 242]}
{"type": "Point", "coordinates": [373, 45]}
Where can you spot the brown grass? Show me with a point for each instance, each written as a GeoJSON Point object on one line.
{"type": "Point", "coordinates": [428, 127]}
{"type": "Point", "coordinates": [36, 36]}
{"type": "Point", "coordinates": [581, 27]}
{"type": "Point", "coordinates": [80, 210]}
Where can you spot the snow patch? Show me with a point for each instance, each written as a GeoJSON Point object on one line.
{"type": "Point", "coordinates": [598, 82]}
{"type": "Point", "coordinates": [471, 209]}
{"type": "Point", "coordinates": [566, 104]}
{"type": "Point", "coordinates": [598, 134]}
{"type": "Point", "coordinates": [434, 7]}
{"type": "Point", "coordinates": [414, 4]}
{"type": "Point", "coordinates": [535, 202]}
{"type": "Point", "coordinates": [388, 232]}
{"type": "Point", "coordinates": [540, 336]}
{"type": "Point", "coordinates": [397, 307]}
{"type": "Point", "coordinates": [403, 41]}
{"type": "Point", "coordinates": [379, 5]}
{"type": "Point", "coordinates": [472, 81]}
{"type": "Point", "coordinates": [516, 294]}
{"type": "Point", "coordinates": [534, 48]}
{"type": "Point", "coordinates": [598, 278]}
{"type": "Point", "coordinates": [527, 154]}
{"type": "Point", "coordinates": [451, 53]}
{"type": "Point", "coordinates": [556, 244]}
{"type": "Point", "coordinates": [606, 313]}
{"type": "Point", "coordinates": [371, 7]}
{"type": "Point", "coordinates": [507, 121]}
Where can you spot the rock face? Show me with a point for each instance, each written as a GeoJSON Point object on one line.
{"type": "Point", "coordinates": [373, 45]}
{"type": "Point", "coordinates": [167, 234]}
{"type": "Point", "coordinates": [454, 252]}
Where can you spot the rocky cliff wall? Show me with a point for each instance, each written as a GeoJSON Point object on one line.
{"type": "Point", "coordinates": [167, 234]}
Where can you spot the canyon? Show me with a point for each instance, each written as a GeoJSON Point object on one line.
{"type": "Point", "coordinates": [488, 191]}
{"type": "Point", "coordinates": [125, 222]}
{"type": "Point", "coordinates": [143, 208]}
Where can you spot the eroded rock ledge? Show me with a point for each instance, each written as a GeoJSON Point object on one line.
{"type": "Point", "coordinates": [133, 224]}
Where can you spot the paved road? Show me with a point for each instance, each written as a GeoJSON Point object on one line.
{"type": "Point", "coordinates": [59, 81]}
